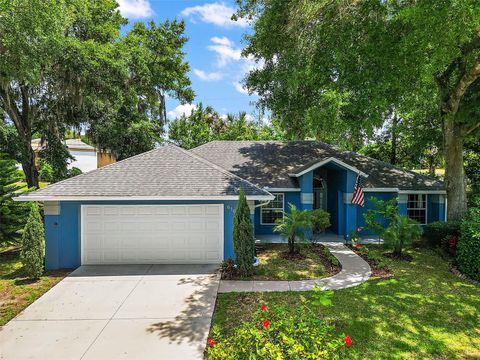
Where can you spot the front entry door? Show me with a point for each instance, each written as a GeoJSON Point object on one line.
{"type": "Point", "coordinates": [320, 198]}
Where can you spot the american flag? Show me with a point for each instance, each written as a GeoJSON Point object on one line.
{"type": "Point", "coordinates": [357, 197]}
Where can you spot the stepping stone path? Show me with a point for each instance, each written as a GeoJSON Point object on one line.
{"type": "Point", "coordinates": [355, 271]}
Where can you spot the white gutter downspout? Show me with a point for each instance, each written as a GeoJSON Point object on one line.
{"type": "Point", "coordinates": [446, 207]}
{"type": "Point", "coordinates": [261, 204]}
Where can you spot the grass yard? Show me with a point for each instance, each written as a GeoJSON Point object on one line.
{"type": "Point", "coordinates": [423, 312]}
{"type": "Point", "coordinates": [17, 292]}
{"type": "Point", "coordinates": [310, 264]}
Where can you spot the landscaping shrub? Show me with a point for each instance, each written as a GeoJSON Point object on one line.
{"type": "Point", "coordinates": [281, 333]}
{"type": "Point", "coordinates": [228, 269]}
{"type": "Point", "coordinates": [436, 231]}
{"type": "Point", "coordinates": [320, 220]}
{"type": "Point", "coordinates": [33, 244]}
{"type": "Point", "coordinates": [243, 239]}
{"type": "Point", "coordinates": [12, 214]}
{"type": "Point", "coordinates": [401, 230]}
{"type": "Point", "coordinates": [468, 246]}
{"type": "Point", "coordinates": [46, 171]}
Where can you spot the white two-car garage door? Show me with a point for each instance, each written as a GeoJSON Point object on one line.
{"type": "Point", "coordinates": [152, 234]}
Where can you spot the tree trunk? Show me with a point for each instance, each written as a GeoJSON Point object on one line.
{"type": "Point", "coordinates": [291, 244]}
{"type": "Point", "coordinates": [393, 153]}
{"type": "Point", "coordinates": [454, 171]}
{"type": "Point", "coordinates": [30, 170]}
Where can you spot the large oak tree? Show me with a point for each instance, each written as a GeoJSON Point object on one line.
{"type": "Point", "coordinates": [342, 65]}
{"type": "Point", "coordinates": [65, 64]}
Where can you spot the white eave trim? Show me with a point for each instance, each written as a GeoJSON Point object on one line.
{"type": "Point", "coordinates": [326, 161]}
{"type": "Point", "coordinates": [137, 198]}
{"type": "Point", "coordinates": [397, 190]}
{"type": "Point", "coordinates": [279, 189]}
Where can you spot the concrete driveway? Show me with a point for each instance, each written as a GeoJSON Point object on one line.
{"type": "Point", "coordinates": [118, 312]}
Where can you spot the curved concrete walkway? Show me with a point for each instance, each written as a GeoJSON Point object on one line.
{"type": "Point", "coordinates": [355, 271]}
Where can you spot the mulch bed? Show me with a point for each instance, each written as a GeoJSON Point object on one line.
{"type": "Point", "coordinates": [383, 272]}
{"type": "Point", "coordinates": [331, 268]}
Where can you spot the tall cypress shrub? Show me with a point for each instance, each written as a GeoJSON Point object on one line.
{"type": "Point", "coordinates": [468, 246]}
{"type": "Point", "coordinates": [33, 244]}
{"type": "Point", "coordinates": [12, 214]}
{"type": "Point", "coordinates": [243, 239]}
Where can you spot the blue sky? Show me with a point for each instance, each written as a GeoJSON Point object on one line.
{"type": "Point", "coordinates": [213, 50]}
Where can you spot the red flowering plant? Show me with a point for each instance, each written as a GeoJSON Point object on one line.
{"type": "Point", "coordinates": [283, 332]}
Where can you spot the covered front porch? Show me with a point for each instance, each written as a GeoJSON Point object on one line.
{"type": "Point", "coordinates": [326, 185]}
{"type": "Point", "coordinates": [327, 237]}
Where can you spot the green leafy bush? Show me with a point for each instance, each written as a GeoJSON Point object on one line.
{"type": "Point", "coordinates": [243, 239]}
{"type": "Point", "coordinates": [74, 171]}
{"type": "Point", "coordinates": [468, 246]}
{"type": "Point", "coordinates": [400, 231]}
{"type": "Point", "coordinates": [436, 231]}
{"type": "Point", "coordinates": [281, 333]}
{"type": "Point", "coordinates": [33, 244]}
{"type": "Point", "coordinates": [46, 171]}
{"type": "Point", "coordinates": [320, 220]}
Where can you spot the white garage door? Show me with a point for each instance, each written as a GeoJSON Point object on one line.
{"type": "Point", "coordinates": [152, 234]}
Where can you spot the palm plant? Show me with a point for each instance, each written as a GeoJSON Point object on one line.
{"type": "Point", "coordinates": [293, 226]}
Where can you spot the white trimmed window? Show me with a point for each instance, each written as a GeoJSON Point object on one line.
{"type": "Point", "coordinates": [273, 211]}
{"type": "Point", "coordinates": [417, 207]}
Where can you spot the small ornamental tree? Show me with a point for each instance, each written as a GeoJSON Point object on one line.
{"type": "Point", "coordinates": [243, 239]}
{"type": "Point", "coordinates": [396, 230]}
{"type": "Point", "coordinates": [33, 244]}
{"type": "Point", "coordinates": [12, 214]}
{"type": "Point", "coordinates": [294, 225]}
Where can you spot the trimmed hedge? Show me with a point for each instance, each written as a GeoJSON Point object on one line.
{"type": "Point", "coordinates": [468, 247]}
{"type": "Point", "coordinates": [437, 231]}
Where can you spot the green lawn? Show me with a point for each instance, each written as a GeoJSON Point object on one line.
{"type": "Point", "coordinates": [424, 311]}
{"type": "Point", "coordinates": [16, 292]}
{"type": "Point", "coordinates": [274, 266]}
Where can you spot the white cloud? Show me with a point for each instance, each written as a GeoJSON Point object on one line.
{"type": "Point", "coordinates": [240, 88]}
{"type": "Point", "coordinates": [135, 9]}
{"type": "Point", "coordinates": [225, 50]}
{"type": "Point", "coordinates": [217, 13]}
{"type": "Point", "coordinates": [180, 110]}
{"type": "Point", "coordinates": [213, 76]}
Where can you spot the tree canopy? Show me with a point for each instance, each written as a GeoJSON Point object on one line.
{"type": "Point", "coordinates": [339, 67]}
{"type": "Point", "coordinates": [204, 124]}
{"type": "Point", "coordinates": [64, 64]}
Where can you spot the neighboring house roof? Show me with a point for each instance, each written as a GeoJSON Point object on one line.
{"type": "Point", "coordinates": [269, 164]}
{"type": "Point", "coordinates": [72, 145]}
{"type": "Point", "coordinates": [165, 173]}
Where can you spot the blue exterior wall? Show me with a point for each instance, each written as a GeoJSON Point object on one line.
{"type": "Point", "coordinates": [292, 197]}
{"type": "Point", "coordinates": [62, 232]}
{"type": "Point", "coordinates": [306, 186]}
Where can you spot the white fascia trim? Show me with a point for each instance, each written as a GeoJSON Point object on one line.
{"type": "Point", "coordinates": [438, 192]}
{"type": "Point", "coordinates": [326, 161]}
{"type": "Point", "coordinates": [137, 198]}
{"type": "Point", "coordinates": [269, 189]}
{"type": "Point", "coordinates": [396, 190]}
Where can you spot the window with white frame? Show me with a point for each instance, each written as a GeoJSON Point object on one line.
{"type": "Point", "coordinates": [273, 211]}
{"type": "Point", "coordinates": [417, 207]}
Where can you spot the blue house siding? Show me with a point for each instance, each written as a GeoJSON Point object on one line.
{"type": "Point", "coordinates": [290, 197]}
{"type": "Point", "coordinates": [62, 232]}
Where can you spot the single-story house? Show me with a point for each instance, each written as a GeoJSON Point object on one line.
{"type": "Point", "coordinates": [170, 205]}
{"type": "Point", "coordinates": [86, 157]}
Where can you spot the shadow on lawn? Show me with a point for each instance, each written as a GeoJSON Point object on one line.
{"type": "Point", "coordinates": [414, 311]}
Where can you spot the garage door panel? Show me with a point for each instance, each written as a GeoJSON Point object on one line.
{"type": "Point", "coordinates": [131, 234]}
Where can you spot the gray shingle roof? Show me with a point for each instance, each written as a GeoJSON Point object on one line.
{"type": "Point", "coordinates": [268, 163]}
{"type": "Point", "coordinates": [165, 172]}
